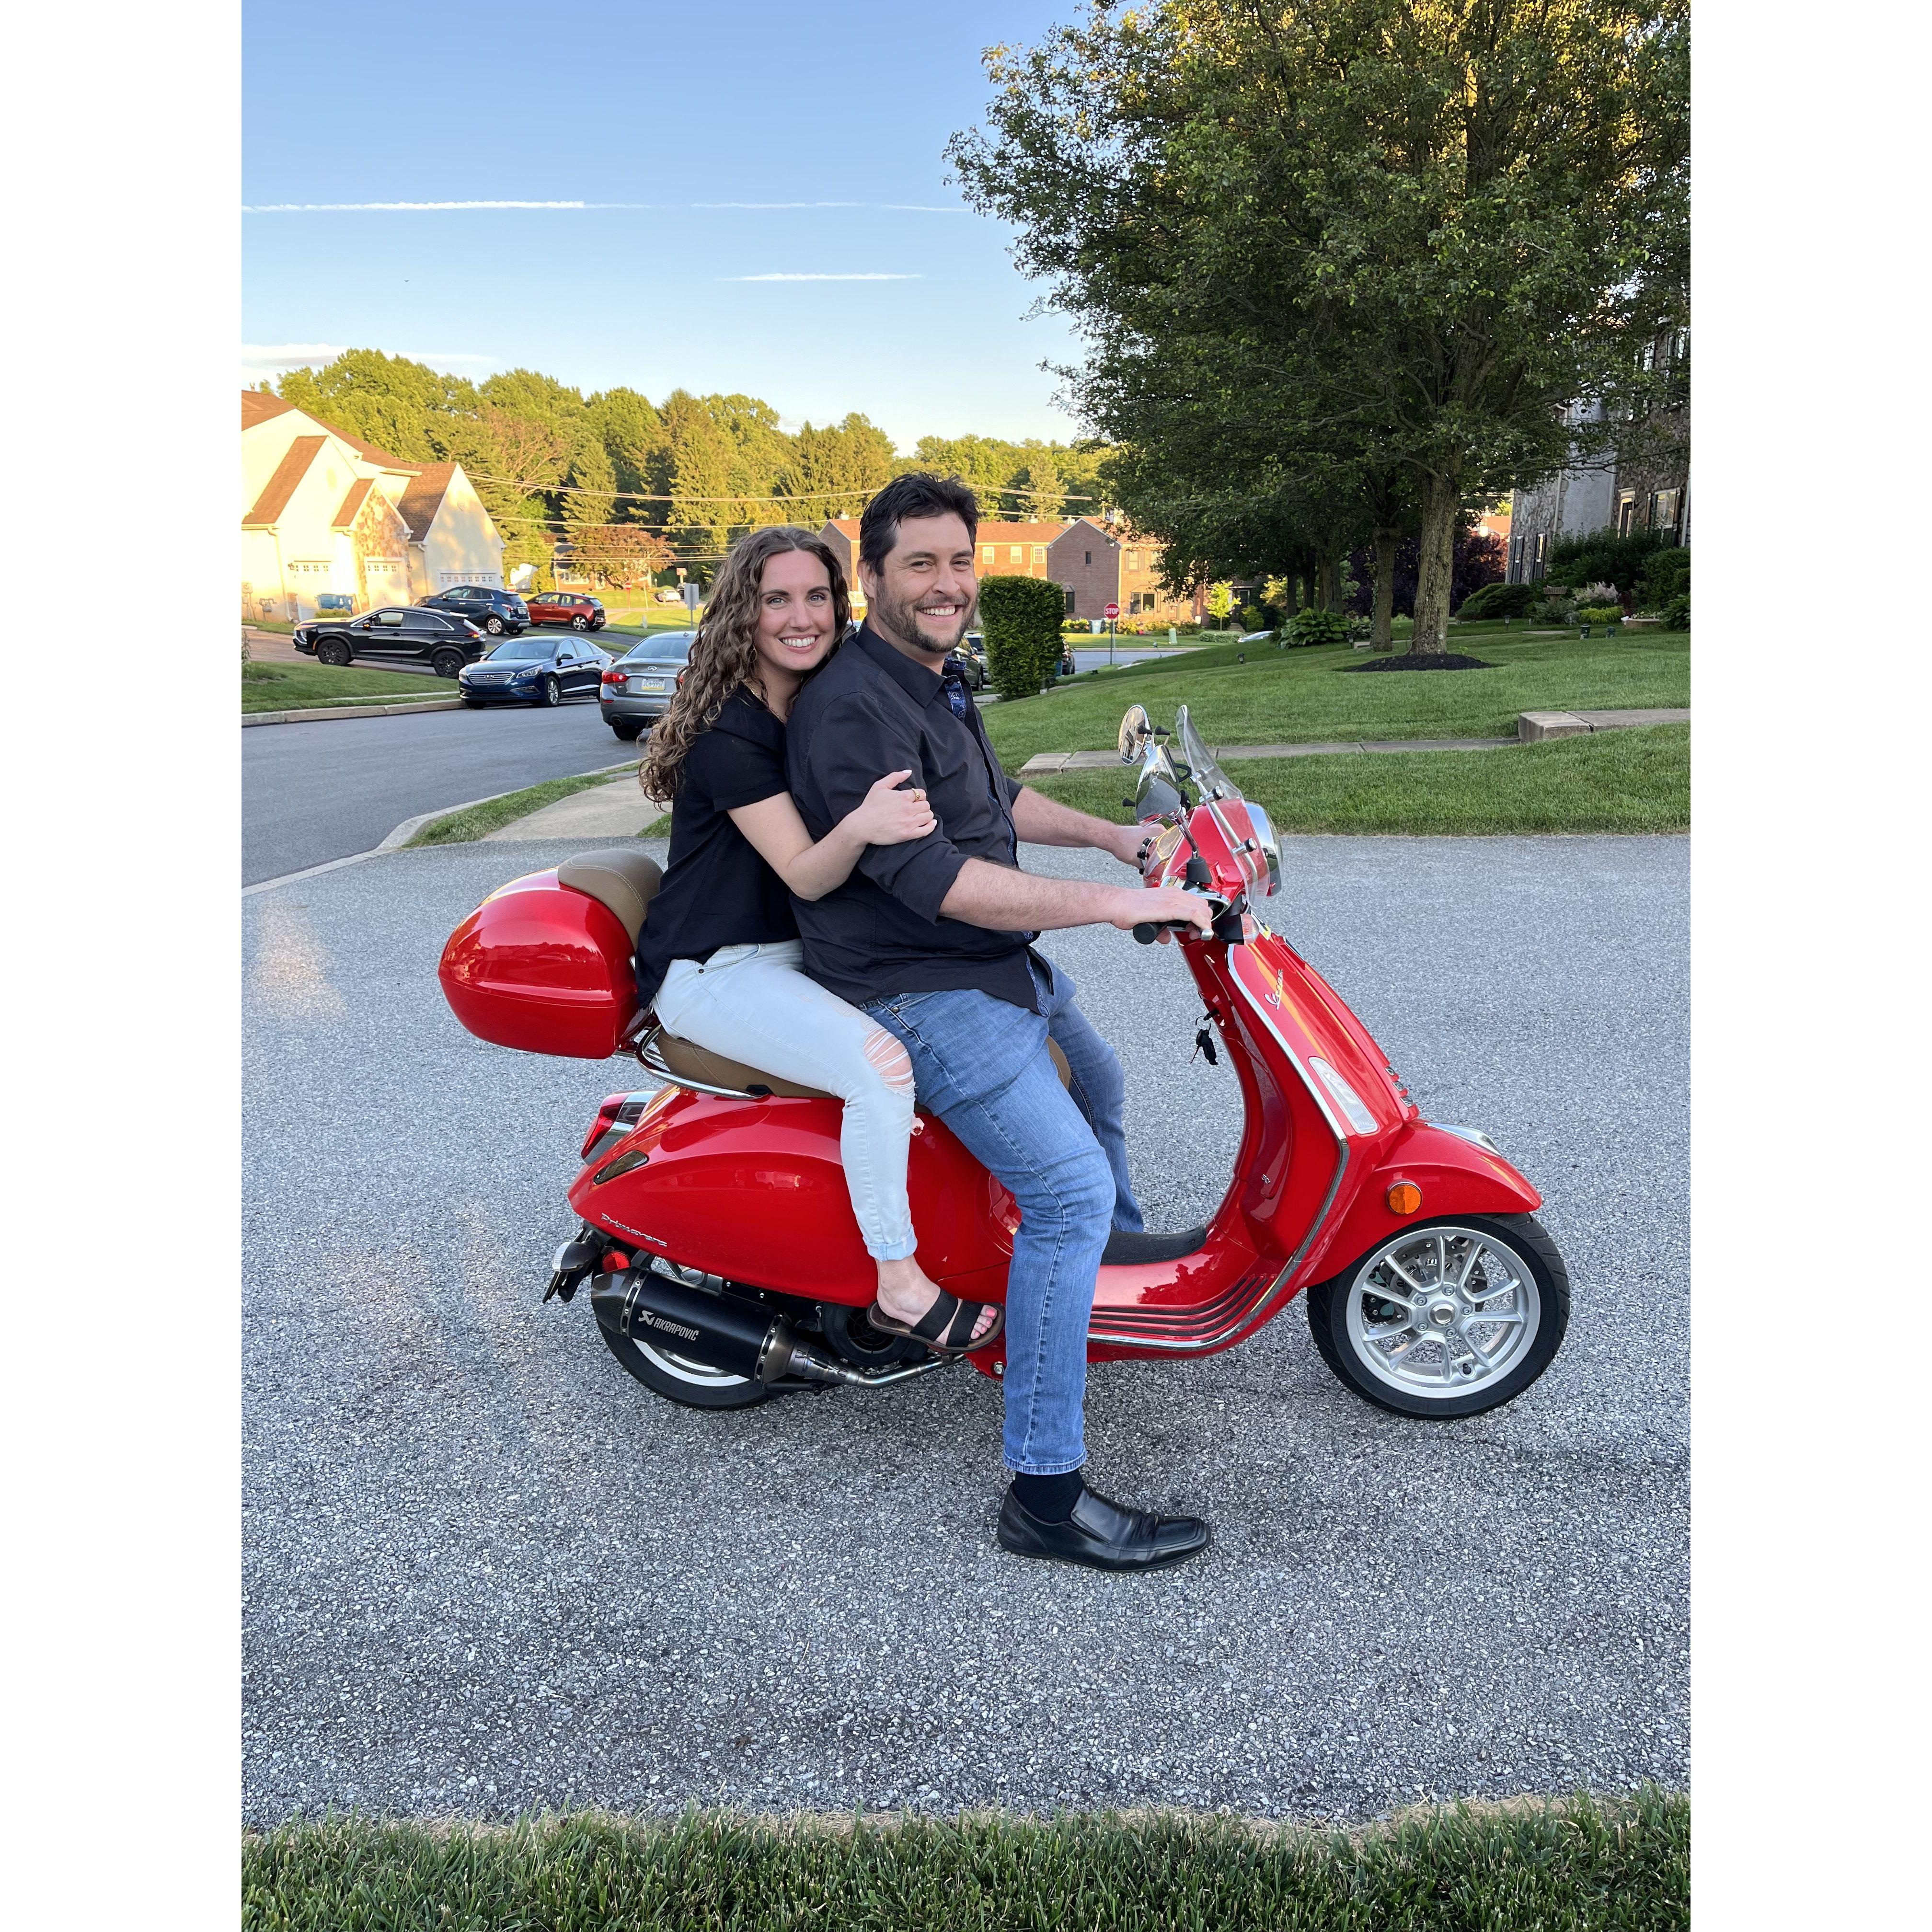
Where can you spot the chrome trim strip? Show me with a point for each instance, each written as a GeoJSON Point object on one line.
{"type": "Point", "coordinates": [651, 1061]}
{"type": "Point", "coordinates": [1314, 1227]}
{"type": "Point", "coordinates": [1476, 1134]}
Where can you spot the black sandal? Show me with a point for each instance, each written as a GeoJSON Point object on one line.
{"type": "Point", "coordinates": [948, 1317]}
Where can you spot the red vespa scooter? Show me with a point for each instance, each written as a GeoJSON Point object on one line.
{"type": "Point", "coordinates": [718, 1240]}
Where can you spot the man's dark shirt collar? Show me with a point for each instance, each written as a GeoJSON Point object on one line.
{"type": "Point", "coordinates": [918, 683]}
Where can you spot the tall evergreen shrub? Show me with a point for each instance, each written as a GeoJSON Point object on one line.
{"type": "Point", "coordinates": [1020, 616]}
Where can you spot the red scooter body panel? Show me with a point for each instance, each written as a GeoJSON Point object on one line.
{"type": "Point", "coordinates": [753, 1190]}
{"type": "Point", "coordinates": [543, 968]}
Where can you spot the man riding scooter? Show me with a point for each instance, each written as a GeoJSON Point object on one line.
{"type": "Point", "coordinates": [932, 939]}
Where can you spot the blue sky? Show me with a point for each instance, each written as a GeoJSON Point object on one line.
{"type": "Point", "coordinates": [671, 106]}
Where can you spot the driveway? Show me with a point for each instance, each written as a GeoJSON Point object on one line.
{"type": "Point", "coordinates": [485, 1571]}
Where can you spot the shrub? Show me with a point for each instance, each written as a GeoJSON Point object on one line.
{"type": "Point", "coordinates": [1021, 617]}
{"type": "Point", "coordinates": [1315, 627]}
{"type": "Point", "coordinates": [1598, 614]}
{"type": "Point", "coordinates": [1601, 557]}
{"type": "Point", "coordinates": [1667, 576]}
{"type": "Point", "coordinates": [1677, 614]}
{"type": "Point", "coordinates": [1251, 616]}
{"type": "Point", "coordinates": [1501, 600]}
{"type": "Point", "coordinates": [1554, 610]}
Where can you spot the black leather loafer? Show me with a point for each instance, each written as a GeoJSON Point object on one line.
{"type": "Point", "coordinates": [1102, 1535]}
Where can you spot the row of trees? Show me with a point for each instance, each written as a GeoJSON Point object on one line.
{"type": "Point", "coordinates": [637, 488]}
{"type": "Point", "coordinates": [1342, 266]}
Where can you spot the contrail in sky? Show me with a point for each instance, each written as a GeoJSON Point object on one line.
{"type": "Point", "coordinates": [821, 278]}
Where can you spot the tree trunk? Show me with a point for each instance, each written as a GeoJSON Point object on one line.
{"type": "Point", "coordinates": [1381, 621]}
{"type": "Point", "coordinates": [1328, 581]}
{"type": "Point", "coordinates": [1442, 506]}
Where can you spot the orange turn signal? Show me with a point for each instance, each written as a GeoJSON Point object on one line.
{"type": "Point", "coordinates": [1404, 1198]}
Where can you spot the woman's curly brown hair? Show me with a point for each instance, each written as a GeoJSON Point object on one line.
{"type": "Point", "coordinates": [724, 653]}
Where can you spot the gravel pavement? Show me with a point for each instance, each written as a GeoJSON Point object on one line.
{"type": "Point", "coordinates": [485, 1571]}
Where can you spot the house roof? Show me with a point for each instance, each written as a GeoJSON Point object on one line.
{"type": "Point", "coordinates": [345, 517]}
{"type": "Point", "coordinates": [1039, 533]}
{"type": "Point", "coordinates": [258, 406]}
{"type": "Point", "coordinates": [293, 466]}
{"type": "Point", "coordinates": [424, 497]}
{"type": "Point", "coordinates": [846, 526]}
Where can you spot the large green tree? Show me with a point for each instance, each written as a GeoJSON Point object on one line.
{"type": "Point", "coordinates": [831, 471]}
{"type": "Point", "coordinates": [1386, 240]}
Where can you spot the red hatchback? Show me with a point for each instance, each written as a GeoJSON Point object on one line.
{"type": "Point", "coordinates": [565, 606]}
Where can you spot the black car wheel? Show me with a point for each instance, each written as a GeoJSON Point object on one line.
{"type": "Point", "coordinates": [333, 651]}
{"type": "Point", "coordinates": [626, 728]}
{"type": "Point", "coordinates": [446, 663]}
{"type": "Point", "coordinates": [494, 626]}
{"type": "Point", "coordinates": [580, 623]}
{"type": "Point", "coordinates": [552, 693]}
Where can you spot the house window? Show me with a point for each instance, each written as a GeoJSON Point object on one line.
{"type": "Point", "coordinates": [1016, 551]}
{"type": "Point", "coordinates": [1626, 512]}
{"type": "Point", "coordinates": [1039, 553]}
{"type": "Point", "coordinates": [1133, 559]}
{"type": "Point", "coordinates": [1069, 603]}
{"type": "Point", "coordinates": [1664, 512]}
{"type": "Point", "coordinates": [1542, 551]}
{"type": "Point", "coordinates": [1088, 557]}
{"type": "Point", "coordinates": [986, 555]}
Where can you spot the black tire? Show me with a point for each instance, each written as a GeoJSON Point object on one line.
{"type": "Point", "coordinates": [551, 695]}
{"type": "Point", "coordinates": [494, 626]}
{"type": "Point", "coordinates": [1522, 1236]}
{"type": "Point", "coordinates": [334, 651]}
{"type": "Point", "coordinates": [580, 623]}
{"type": "Point", "coordinates": [626, 728]}
{"type": "Point", "coordinates": [446, 663]}
{"type": "Point", "coordinates": [688, 1385]}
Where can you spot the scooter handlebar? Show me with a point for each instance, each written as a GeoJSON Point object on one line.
{"type": "Point", "coordinates": [1227, 923]}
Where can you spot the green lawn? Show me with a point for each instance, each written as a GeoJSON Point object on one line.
{"type": "Point", "coordinates": [285, 687]}
{"type": "Point", "coordinates": [1610, 781]}
{"type": "Point", "coordinates": [1306, 697]}
{"type": "Point", "coordinates": [1620, 1865]}
{"type": "Point", "coordinates": [475, 820]}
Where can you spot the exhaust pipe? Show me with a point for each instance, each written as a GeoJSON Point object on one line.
{"type": "Point", "coordinates": [724, 1330]}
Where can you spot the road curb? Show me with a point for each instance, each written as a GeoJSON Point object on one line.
{"type": "Point", "coordinates": [350, 711]}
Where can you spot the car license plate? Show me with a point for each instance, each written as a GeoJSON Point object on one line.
{"type": "Point", "coordinates": [643, 684]}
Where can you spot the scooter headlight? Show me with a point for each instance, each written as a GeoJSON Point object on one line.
{"type": "Point", "coordinates": [1267, 845]}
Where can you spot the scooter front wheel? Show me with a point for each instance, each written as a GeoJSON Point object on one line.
{"type": "Point", "coordinates": [1447, 1318]}
{"type": "Point", "coordinates": [695, 1385]}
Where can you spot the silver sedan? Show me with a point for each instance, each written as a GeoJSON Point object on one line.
{"type": "Point", "coordinates": [636, 690]}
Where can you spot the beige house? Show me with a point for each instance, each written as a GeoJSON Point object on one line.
{"type": "Point", "coordinates": [324, 513]}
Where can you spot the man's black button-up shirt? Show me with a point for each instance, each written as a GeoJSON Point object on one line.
{"type": "Point", "coordinates": [870, 711]}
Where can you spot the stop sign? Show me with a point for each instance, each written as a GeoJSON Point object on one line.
{"type": "Point", "coordinates": [1113, 611]}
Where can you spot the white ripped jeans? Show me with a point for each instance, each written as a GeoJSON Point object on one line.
{"type": "Point", "coordinates": [755, 1003]}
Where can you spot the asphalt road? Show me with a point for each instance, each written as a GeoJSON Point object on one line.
{"type": "Point", "coordinates": [311, 792]}
{"type": "Point", "coordinates": [485, 1571]}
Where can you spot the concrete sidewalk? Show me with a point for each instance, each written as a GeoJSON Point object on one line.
{"type": "Point", "coordinates": [618, 810]}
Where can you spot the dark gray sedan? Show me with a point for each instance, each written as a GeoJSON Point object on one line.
{"type": "Point", "coordinates": [636, 690]}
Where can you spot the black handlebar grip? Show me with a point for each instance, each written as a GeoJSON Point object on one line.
{"type": "Point", "coordinates": [1146, 932]}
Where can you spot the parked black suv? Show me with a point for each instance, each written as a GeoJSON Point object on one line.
{"type": "Point", "coordinates": [438, 638]}
{"type": "Point", "coordinates": [500, 613]}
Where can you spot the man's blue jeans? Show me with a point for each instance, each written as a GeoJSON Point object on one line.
{"type": "Point", "coordinates": [982, 1065]}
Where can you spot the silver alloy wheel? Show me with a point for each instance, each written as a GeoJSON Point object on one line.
{"type": "Point", "coordinates": [699, 1375]}
{"type": "Point", "coordinates": [1442, 1310]}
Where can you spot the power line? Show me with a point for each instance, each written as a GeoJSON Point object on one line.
{"type": "Point", "coordinates": [865, 490]}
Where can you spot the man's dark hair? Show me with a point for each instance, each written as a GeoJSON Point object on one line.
{"type": "Point", "coordinates": [915, 494]}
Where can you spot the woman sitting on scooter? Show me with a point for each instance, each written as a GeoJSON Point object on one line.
{"type": "Point", "coordinates": [719, 957]}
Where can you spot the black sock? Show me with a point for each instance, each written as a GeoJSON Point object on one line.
{"type": "Point", "coordinates": [1048, 1499]}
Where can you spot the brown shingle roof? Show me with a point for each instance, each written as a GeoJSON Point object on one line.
{"type": "Point", "coordinates": [274, 499]}
{"type": "Point", "coordinates": [424, 497]}
{"type": "Point", "coordinates": [1019, 533]}
{"type": "Point", "coordinates": [257, 407]}
{"type": "Point", "coordinates": [345, 517]}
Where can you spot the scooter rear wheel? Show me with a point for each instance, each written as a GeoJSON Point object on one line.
{"type": "Point", "coordinates": [695, 1385]}
{"type": "Point", "coordinates": [1448, 1318]}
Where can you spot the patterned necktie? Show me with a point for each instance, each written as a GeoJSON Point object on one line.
{"type": "Point", "coordinates": [956, 693]}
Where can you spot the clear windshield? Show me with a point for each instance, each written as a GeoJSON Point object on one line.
{"type": "Point", "coordinates": [1209, 781]}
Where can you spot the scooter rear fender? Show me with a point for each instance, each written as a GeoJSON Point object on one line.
{"type": "Point", "coordinates": [1454, 1175]}
{"type": "Point", "coordinates": [753, 1190]}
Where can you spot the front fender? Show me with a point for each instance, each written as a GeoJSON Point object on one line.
{"type": "Point", "coordinates": [1456, 1176]}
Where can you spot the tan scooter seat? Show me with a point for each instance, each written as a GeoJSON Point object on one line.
{"type": "Point", "coordinates": [627, 881]}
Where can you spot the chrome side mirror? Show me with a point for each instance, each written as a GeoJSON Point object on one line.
{"type": "Point", "coordinates": [1135, 732]}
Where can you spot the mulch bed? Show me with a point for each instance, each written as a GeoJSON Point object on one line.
{"type": "Point", "coordinates": [1426, 661]}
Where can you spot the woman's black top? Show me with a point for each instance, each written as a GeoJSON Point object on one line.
{"type": "Point", "coordinates": [717, 891]}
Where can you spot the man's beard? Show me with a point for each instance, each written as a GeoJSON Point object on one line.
{"type": "Point", "coordinates": [902, 619]}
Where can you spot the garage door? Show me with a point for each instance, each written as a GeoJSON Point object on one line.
{"type": "Point", "coordinates": [386, 579]}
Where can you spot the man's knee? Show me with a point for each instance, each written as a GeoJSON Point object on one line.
{"type": "Point", "coordinates": [1074, 1191]}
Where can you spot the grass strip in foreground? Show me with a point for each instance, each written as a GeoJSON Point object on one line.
{"type": "Point", "coordinates": [1627, 782]}
{"type": "Point", "coordinates": [285, 687]}
{"type": "Point", "coordinates": [474, 821]}
{"type": "Point", "coordinates": [1578, 1865]}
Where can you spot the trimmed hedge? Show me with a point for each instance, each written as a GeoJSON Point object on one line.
{"type": "Point", "coordinates": [1021, 617]}
{"type": "Point", "coordinates": [1500, 600]}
